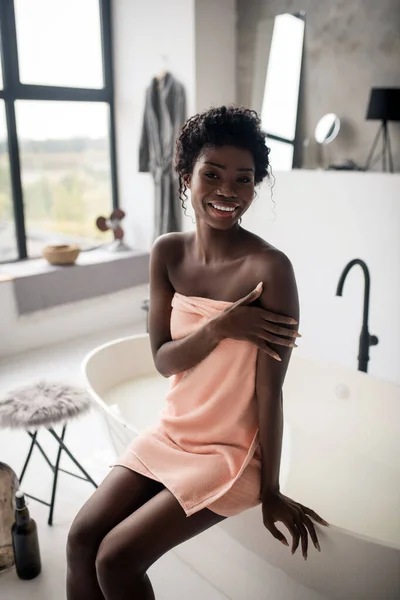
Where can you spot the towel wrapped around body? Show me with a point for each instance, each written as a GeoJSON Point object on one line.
{"type": "Point", "coordinates": [205, 446]}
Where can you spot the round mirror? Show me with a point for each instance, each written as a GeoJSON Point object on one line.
{"type": "Point", "coordinates": [327, 128]}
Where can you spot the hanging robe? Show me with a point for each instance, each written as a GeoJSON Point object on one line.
{"type": "Point", "coordinates": [164, 115]}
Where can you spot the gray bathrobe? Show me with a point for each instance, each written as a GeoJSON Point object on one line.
{"type": "Point", "coordinates": [164, 115]}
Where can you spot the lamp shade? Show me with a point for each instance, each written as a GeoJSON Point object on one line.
{"type": "Point", "coordinates": [384, 104]}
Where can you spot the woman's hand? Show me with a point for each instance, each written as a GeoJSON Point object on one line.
{"type": "Point", "coordinates": [296, 517]}
{"type": "Point", "coordinates": [255, 324]}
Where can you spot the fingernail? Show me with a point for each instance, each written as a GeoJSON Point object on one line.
{"type": "Point", "coordinates": [293, 321]}
{"type": "Point", "coordinates": [325, 523]}
{"type": "Point", "coordinates": [305, 556]}
{"type": "Point", "coordinates": [278, 358]}
{"type": "Point", "coordinates": [293, 345]}
{"type": "Point", "coordinates": [259, 286]}
{"type": "Point", "coordinates": [318, 547]}
{"type": "Point", "coordinates": [285, 542]}
{"type": "Point", "coordinates": [298, 334]}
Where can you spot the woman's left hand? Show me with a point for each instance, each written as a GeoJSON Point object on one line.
{"type": "Point", "coordinates": [296, 517]}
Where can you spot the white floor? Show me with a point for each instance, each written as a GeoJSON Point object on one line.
{"type": "Point", "coordinates": [172, 579]}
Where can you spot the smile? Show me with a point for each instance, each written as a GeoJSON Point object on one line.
{"type": "Point", "coordinates": [220, 207]}
{"type": "Point", "coordinates": [223, 209]}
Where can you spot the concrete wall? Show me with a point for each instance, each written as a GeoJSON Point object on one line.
{"type": "Point", "coordinates": [215, 33]}
{"type": "Point", "coordinates": [349, 48]}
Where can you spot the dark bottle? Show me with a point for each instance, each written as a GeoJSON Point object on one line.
{"type": "Point", "coordinates": [25, 541]}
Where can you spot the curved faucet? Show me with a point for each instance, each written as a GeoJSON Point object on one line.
{"type": "Point", "coordinates": [366, 340]}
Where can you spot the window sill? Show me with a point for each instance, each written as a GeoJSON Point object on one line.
{"type": "Point", "coordinates": [39, 285]}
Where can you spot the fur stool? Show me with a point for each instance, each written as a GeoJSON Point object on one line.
{"type": "Point", "coordinates": [44, 405]}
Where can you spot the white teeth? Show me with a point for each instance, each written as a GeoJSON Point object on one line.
{"type": "Point", "coordinates": [223, 208]}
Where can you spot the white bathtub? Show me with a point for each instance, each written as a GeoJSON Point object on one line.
{"type": "Point", "coordinates": [340, 456]}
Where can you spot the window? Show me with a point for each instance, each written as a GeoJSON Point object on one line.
{"type": "Point", "coordinates": [68, 52]}
{"type": "Point", "coordinates": [65, 170]}
{"type": "Point", "coordinates": [57, 143]}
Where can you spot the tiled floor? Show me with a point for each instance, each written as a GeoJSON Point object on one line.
{"type": "Point", "coordinates": [172, 579]}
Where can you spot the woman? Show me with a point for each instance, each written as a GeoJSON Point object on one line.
{"type": "Point", "coordinates": [217, 445]}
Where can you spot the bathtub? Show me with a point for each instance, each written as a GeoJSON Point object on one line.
{"type": "Point", "coordinates": [340, 456]}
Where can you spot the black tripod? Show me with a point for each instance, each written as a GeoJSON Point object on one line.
{"type": "Point", "coordinates": [386, 153]}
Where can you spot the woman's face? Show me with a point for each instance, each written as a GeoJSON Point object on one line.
{"type": "Point", "coordinates": [222, 185]}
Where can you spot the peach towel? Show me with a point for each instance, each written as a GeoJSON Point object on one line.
{"type": "Point", "coordinates": [206, 440]}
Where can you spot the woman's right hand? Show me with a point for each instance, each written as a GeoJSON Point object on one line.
{"type": "Point", "coordinates": [255, 324]}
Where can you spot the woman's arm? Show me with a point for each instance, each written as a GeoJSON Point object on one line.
{"type": "Point", "coordinates": [279, 295]}
{"type": "Point", "coordinates": [172, 356]}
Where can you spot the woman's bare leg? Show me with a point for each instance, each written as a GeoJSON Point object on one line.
{"type": "Point", "coordinates": [121, 493]}
{"type": "Point", "coordinates": [136, 543]}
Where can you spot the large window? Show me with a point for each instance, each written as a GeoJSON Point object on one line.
{"type": "Point", "coordinates": [57, 146]}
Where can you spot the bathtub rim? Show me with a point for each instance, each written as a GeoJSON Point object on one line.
{"type": "Point", "coordinates": [325, 363]}
{"type": "Point", "coordinates": [99, 402]}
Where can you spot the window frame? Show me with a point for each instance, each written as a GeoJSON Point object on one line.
{"type": "Point", "coordinates": [14, 90]}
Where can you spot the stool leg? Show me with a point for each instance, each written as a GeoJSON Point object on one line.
{"type": "Point", "coordinates": [33, 436]}
{"type": "Point", "coordinates": [55, 478]}
{"type": "Point", "coordinates": [42, 452]}
{"type": "Point", "coordinates": [72, 457]}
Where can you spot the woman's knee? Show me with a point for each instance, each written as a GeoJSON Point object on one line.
{"type": "Point", "coordinates": [83, 540]}
{"type": "Point", "coordinates": [117, 560]}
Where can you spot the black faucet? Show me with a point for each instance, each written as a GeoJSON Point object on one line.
{"type": "Point", "coordinates": [366, 340]}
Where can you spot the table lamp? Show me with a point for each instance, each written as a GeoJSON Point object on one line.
{"type": "Point", "coordinates": [384, 105]}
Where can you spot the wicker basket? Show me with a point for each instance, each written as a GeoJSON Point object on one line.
{"type": "Point", "coordinates": [61, 255]}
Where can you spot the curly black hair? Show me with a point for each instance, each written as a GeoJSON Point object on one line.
{"type": "Point", "coordinates": [221, 126]}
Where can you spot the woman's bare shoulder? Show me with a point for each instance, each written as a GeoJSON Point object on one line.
{"type": "Point", "coordinates": [171, 246]}
{"type": "Point", "coordinates": [169, 241]}
{"type": "Point", "coordinates": [265, 257]}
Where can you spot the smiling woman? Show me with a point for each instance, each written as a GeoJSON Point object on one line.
{"type": "Point", "coordinates": [226, 185]}
{"type": "Point", "coordinates": [223, 316]}
{"type": "Point", "coordinates": [227, 192]}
